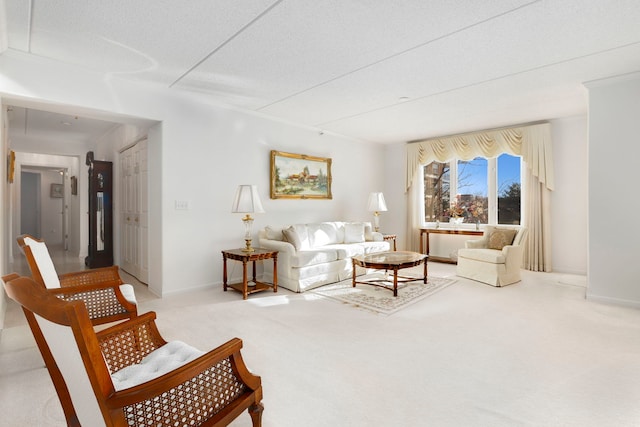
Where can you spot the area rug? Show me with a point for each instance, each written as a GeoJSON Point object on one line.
{"type": "Point", "coordinates": [380, 299]}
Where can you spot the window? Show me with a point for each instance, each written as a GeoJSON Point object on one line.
{"type": "Point", "coordinates": [485, 191]}
{"type": "Point", "coordinates": [436, 190]}
{"type": "Point", "coordinates": [509, 187]}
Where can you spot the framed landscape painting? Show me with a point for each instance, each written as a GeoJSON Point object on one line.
{"type": "Point", "coordinates": [298, 176]}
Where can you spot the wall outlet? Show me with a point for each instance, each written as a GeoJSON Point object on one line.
{"type": "Point", "coordinates": [182, 205]}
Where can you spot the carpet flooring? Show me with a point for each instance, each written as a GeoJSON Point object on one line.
{"type": "Point", "coordinates": [534, 353]}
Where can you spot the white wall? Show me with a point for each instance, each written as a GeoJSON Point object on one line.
{"type": "Point", "coordinates": [5, 220]}
{"type": "Point", "coordinates": [614, 150]}
{"type": "Point", "coordinates": [569, 198]}
{"type": "Point", "coordinates": [200, 153]}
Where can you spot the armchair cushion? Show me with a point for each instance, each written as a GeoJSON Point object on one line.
{"type": "Point", "coordinates": [165, 359]}
{"type": "Point", "coordinates": [492, 256]}
{"type": "Point", "coordinates": [501, 237]}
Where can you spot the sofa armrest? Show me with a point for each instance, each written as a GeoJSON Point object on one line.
{"type": "Point", "coordinates": [277, 245]}
{"type": "Point", "coordinates": [376, 236]}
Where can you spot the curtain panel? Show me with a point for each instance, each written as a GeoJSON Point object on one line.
{"type": "Point", "coordinates": [532, 142]}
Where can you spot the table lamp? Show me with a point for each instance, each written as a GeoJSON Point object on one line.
{"type": "Point", "coordinates": [377, 205]}
{"type": "Point", "coordinates": [247, 202]}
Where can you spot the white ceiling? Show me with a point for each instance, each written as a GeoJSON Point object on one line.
{"type": "Point", "coordinates": [374, 70]}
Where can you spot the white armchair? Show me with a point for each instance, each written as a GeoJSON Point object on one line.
{"type": "Point", "coordinates": [496, 258]}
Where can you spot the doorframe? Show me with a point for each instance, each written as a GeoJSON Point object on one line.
{"type": "Point", "coordinates": [44, 161]}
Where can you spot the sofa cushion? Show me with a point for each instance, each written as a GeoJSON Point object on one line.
{"type": "Point", "coordinates": [314, 256]}
{"type": "Point", "coordinates": [346, 250]}
{"type": "Point", "coordinates": [354, 232]}
{"type": "Point", "coordinates": [486, 255]}
{"type": "Point", "coordinates": [321, 234]}
{"type": "Point", "coordinates": [501, 237]}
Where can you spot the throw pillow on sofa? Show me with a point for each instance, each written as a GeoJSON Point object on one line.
{"type": "Point", "coordinates": [501, 237]}
{"type": "Point", "coordinates": [354, 233]}
{"type": "Point", "coordinates": [291, 236]}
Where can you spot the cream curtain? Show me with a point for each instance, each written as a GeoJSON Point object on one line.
{"type": "Point", "coordinates": [532, 142]}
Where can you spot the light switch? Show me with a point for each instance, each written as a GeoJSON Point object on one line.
{"type": "Point", "coordinates": [182, 205]}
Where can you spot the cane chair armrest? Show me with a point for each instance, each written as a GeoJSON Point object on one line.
{"type": "Point", "coordinates": [104, 301]}
{"type": "Point", "coordinates": [215, 387]}
{"type": "Point", "coordinates": [93, 276]}
{"type": "Point", "coordinates": [9, 277]}
{"type": "Point", "coordinates": [127, 343]}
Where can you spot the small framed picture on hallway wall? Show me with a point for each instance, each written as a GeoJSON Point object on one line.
{"type": "Point", "coordinates": [57, 191]}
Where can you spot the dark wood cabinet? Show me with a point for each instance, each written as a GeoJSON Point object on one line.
{"type": "Point", "coordinates": [100, 213]}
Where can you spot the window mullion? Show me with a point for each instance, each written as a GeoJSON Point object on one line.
{"type": "Point", "coordinates": [492, 193]}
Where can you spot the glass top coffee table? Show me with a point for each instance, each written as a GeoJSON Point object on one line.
{"type": "Point", "coordinates": [390, 261]}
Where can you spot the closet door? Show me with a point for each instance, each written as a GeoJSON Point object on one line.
{"type": "Point", "coordinates": [134, 211]}
{"type": "Point", "coordinates": [128, 242]}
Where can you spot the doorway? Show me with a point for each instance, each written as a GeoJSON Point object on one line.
{"type": "Point", "coordinates": [43, 209]}
{"type": "Point", "coordinates": [30, 204]}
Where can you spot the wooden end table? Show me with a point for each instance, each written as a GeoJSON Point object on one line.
{"type": "Point", "coordinates": [390, 237]}
{"type": "Point", "coordinates": [245, 257]}
{"type": "Point", "coordinates": [390, 261]}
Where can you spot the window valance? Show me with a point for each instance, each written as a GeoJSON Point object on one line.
{"type": "Point", "coordinates": [532, 142]}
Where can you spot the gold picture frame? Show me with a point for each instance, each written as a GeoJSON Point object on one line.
{"type": "Point", "coordinates": [74, 186]}
{"type": "Point", "coordinates": [298, 176]}
{"type": "Point", "coordinates": [11, 166]}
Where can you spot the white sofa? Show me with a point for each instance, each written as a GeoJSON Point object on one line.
{"type": "Point", "coordinates": [312, 255]}
{"type": "Point", "coordinates": [496, 258]}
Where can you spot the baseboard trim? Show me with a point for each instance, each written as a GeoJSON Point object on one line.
{"type": "Point", "coordinates": [613, 301]}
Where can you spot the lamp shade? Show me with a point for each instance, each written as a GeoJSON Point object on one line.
{"type": "Point", "coordinates": [377, 203]}
{"type": "Point", "coordinates": [247, 200]}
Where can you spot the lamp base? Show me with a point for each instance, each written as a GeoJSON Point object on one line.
{"type": "Point", "coordinates": [248, 247]}
{"type": "Point", "coordinates": [376, 221]}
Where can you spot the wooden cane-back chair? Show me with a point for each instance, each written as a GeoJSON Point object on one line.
{"type": "Point", "coordinates": [128, 375]}
{"type": "Point", "coordinates": [107, 297]}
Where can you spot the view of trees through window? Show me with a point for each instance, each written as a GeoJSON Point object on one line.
{"type": "Point", "coordinates": [461, 189]}
{"type": "Point", "coordinates": [509, 185]}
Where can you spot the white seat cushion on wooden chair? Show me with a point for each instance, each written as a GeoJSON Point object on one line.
{"type": "Point", "coordinates": [157, 363]}
{"type": "Point", "coordinates": [128, 293]}
{"type": "Point", "coordinates": [45, 264]}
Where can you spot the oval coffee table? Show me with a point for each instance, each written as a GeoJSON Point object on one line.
{"type": "Point", "coordinates": [390, 261]}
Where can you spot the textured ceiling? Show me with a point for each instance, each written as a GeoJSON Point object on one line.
{"type": "Point", "coordinates": [374, 70]}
